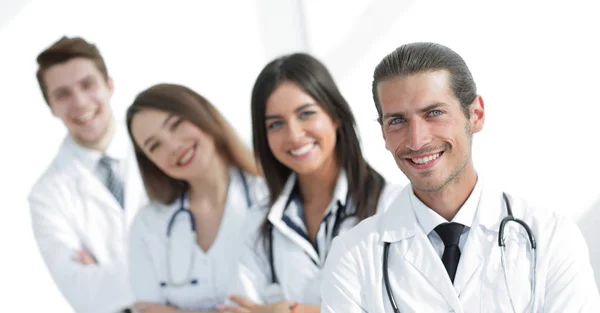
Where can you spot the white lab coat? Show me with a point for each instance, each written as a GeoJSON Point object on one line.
{"type": "Point", "coordinates": [71, 209]}
{"type": "Point", "coordinates": [564, 280]}
{"type": "Point", "coordinates": [297, 264]}
{"type": "Point", "coordinates": [212, 270]}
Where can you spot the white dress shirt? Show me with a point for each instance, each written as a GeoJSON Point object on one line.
{"type": "Point", "coordinates": [117, 150]}
{"type": "Point", "coordinates": [429, 219]}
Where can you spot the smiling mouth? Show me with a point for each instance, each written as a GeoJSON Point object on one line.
{"type": "Point", "coordinates": [425, 160]}
{"type": "Point", "coordinates": [187, 157]}
{"type": "Point", "coordinates": [302, 150]}
{"type": "Point", "coordinates": [84, 118]}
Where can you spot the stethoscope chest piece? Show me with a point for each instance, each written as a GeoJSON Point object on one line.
{"type": "Point", "coordinates": [273, 293]}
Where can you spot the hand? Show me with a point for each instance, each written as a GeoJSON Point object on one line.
{"type": "Point", "coordinates": [247, 306]}
{"type": "Point", "coordinates": [147, 307]}
{"type": "Point", "coordinates": [86, 258]}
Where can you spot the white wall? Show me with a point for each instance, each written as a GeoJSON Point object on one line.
{"type": "Point", "coordinates": [536, 65]}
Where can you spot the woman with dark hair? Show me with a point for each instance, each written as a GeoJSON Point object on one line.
{"type": "Point", "coordinates": [319, 183]}
{"type": "Point", "coordinates": [202, 181]}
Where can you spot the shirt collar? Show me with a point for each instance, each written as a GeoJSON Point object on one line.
{"type": "Point", "coordinates": [116, 150]}
{"type": "Point", "coordinates": [340, 192]}
{"type": "Point", "coordinates": [429, 219]}
{"type": "Point", "coordinates": [235, 190]}
{"type": "Point", "coordinates": [290, 193]}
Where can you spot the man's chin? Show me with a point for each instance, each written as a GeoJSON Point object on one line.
{"type": "Point", "coordinates": [427, 185]}
{"type": "Point", "coordinates": [90, 138]}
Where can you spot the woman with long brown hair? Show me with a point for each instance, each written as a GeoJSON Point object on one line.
{"type": "Point", "coordinates": [319, 182]}
{"type": "Point", "coordinates": [202, 181]}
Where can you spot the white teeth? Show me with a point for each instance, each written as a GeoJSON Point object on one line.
{"type": "Point", "coordinates": [186, 157]}
{"type": "Point", "coordinates": [302, 150]}
{"type": "Point", "coordinates": [86, 117]}
{"type": "Point", "coordinates": [426, 159]}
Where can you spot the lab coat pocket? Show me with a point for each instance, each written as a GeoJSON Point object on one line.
{"type": "Point", "coordinates": [508, 285]}
{"type": "Point", "coordinates": [192, 296]}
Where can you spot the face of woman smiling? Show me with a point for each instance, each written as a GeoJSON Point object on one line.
{"type": "Point", "coordinates": [178, 147]}
{"type": "Point", "coordinates": [301, 135]}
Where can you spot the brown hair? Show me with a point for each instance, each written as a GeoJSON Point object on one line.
{"type": "Point", "coordinates": [190, 106]}
{"type": "Point", "coordinates": [64, 50]}
{"type": "Point", "coordinates": [422, 57]}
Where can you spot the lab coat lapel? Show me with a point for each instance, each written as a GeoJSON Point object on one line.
{"type": "Point", "coordinates": [275, 217]}
{"type": "Point", "coordinates": [471, 261]}
{"type": "Point", "coordinates": [400, 226]}
{"type": "Point", "coordinates": [482, 236]}
{"type": "Point", "coordinates": [423, 257]}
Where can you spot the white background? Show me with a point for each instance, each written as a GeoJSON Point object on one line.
{"type": "Point", "coordinates": [536, 64]}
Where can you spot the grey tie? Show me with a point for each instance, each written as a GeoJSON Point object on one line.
{"type": "Point", "coordinates": [113, 182]}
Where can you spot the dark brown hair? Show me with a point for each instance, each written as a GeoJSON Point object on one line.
{"type": "Point", "coordinates": [190, 106]}
{"type": "Point", "coordinates": [364, 183]}
{"type": "Point", "coordinates": [422, 57]}
{"type": "Point", "coordinates": [64, 50]}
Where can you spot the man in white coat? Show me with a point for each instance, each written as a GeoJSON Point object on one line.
{"type": "Point", "coordinates": [436, 249]}
{"type": "Point", "coordinates": [82, 205]}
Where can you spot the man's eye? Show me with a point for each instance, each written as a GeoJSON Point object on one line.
{"type": "Point", "coordinates": [396, 120]}
{"type": "Point", "coordinates": [435, 113]}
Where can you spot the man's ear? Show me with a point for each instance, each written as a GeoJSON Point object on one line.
{"type": "Point", "coordinates": [477, 114]}
{"type": "Point", "coordinates": [111, 85]}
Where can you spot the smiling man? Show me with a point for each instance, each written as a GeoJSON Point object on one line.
{"type": "Point", "coordinates": [437, 247]}
{"type": "Point", "coordinates": [82, 205]}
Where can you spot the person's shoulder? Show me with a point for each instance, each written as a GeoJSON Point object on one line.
{"type": "Point", "coordinates": [258, 212]}
{"type": "Point", "coordinates": [364, 234]}
{"type": "Point", "coordinates": [256, 216]}
{"type": "Point", "coordinates": [388, 194]}
{"type": "Point", "coordinates": [557, 234]}
{"type": "Point", "coordinates": [550, 227]}
{"type": "Point", "coordinates": [259, 197]}
{"type": "Point", "coordinates": [55, 175]}
{"type": "Point", "coordinates": [258, 189]}
{"type": "Point", "coordinates": [534, 213]}
{"type": "Point", "coordinates": [154, 216]}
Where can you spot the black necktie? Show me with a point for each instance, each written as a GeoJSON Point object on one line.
{"type": "Point", "coordinates": [113, 181]}
{"type": "Point", "coordinates": [450, 234]}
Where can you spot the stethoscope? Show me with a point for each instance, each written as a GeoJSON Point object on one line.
{"type": "Point", "coordinates": [341, 215]}
{"type": "Point", "coordinates": [186, 211]}
{"type": "Point", "coordinates": [501, 244]}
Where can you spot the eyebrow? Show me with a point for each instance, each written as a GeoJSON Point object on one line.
{"type": "Point", "coordinates": [65, 88]}
{"type": "Point", "coordinates": [164, 123]}
{"type": "Point", "coordinates": [57, 91]}
{"type": "Point", "coordinates": [428, 108]}
{"type": "Point", "coordinates": [298, 109]}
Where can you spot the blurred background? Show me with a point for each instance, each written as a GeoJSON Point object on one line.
{"type": "Point", "coordinates": [536, 64]}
